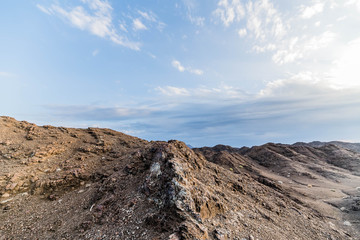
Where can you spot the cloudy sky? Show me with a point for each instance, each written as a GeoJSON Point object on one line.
{"type": "Point", "coordinates": [236, 72]}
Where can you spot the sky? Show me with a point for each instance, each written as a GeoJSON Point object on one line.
{"type": "Point", "coordinates": [234, 72]}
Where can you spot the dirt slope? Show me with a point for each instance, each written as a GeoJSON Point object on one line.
{"type": "Point", "coordinates": [61, 183]}
{"type": "Point", "coordinates": [324, 178]}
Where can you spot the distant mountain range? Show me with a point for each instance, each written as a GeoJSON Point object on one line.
{"type": "Point", "coordinates": [351, 146]}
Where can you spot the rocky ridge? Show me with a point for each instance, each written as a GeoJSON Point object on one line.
{"type": "Point", "coordinates": [63, 183]}
{"type": "Point", "coordinates": [347, 145]}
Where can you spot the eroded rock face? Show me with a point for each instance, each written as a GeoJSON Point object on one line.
{"type": "Point", "coordinates": [59, 183]}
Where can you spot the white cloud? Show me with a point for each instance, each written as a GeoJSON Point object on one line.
{"type": "Point", "coordinates": [288, 36]}
{"type": "Point", "coordinates": [204, 94]}
{"type": "Point", "coordinates": [196, 71]}
{"type": "Point", "coordinates": [242, 32]}
{"type": "Point", "coordinates": [353, 2]}
{"type": "Point", "coordinates": [304, 99]}
{"type": "Point", "coordinates": [230, 11]}
{"type": "Point", "coordinates": [176, 64]}
{"type": "Point", "coordinates": [146, 20]}
{"type": "Point", "coordinates": [310, 11]}
{"type": "Point", "coordinates": [298, 48]}
{"type": "Point", "coordinates": [191, 9]}
{"type": "Point", "coordinates": [301, 92]}
{"type": "Point", "coordinates": [261, 49]}
{"type": "Point", "coordinates": [98, 24]}
{"type": "Point", "coordinates": [122, 27]}
{"type": "Point", "coordinates": [152, 55]}
{"type": "Point", "coordinates": [303, 85]}
{"type": "Point", "coordinates": [264, 21]}
{"type": "Point", "coordinates": [138, 25]}
{"type": "Point", "coordinates": [173, 91]}
{"type": "Point", "coordinates": [298, 85]}
{"type": "Point", "coordinates": [44, 9]}
{"type": "Point", "coordinates": [150, 16]}
{"type": "Point", "coordinates": [199, 21]}
{"type": "Point", "coordinates": [98, 21]}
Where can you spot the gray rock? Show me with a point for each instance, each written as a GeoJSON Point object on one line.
{"type": "Point", "coordinates": [347, 223]}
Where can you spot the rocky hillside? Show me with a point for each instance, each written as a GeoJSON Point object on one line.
{"type": "Point", "coordinates": [347, 145]}
{"type": "Point", "coordinates": [62, 183]}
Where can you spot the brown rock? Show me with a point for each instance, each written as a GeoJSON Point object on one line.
{"type": "Point", "coordinates": [11, 186]}
{"type": "Point", "coordinates": [5, 195]}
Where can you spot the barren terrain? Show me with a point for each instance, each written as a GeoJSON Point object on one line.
{"type": "Point", "coordinates": [64, 183]}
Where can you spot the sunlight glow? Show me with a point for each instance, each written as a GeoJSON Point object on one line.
{"type": "Point", "coordinates": [347, 71]}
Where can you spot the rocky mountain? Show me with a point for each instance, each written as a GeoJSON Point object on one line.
{"type": "Point", "coordinates": [347, 145]}
{"type": "Point", "coordinates": [65, 183]}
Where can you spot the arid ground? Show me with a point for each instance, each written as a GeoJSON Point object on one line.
{"type": "Point", "coordinates": [65, 183]}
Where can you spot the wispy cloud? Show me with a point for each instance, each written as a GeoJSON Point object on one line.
{"type": "Point", "coordinates": [303, 85]}
{"type": "Point", "coordinates": [300, 47]}
{"type": "Point", "coordinates": [138, 25]}
{"type": "Point", "coordinates": [97, 19]}
{"type": "Point", "coordinates": [262, 21]}
{"type": "Point", "coordinates": [176, 64]}
{"type": "Point", "coordinates": [151, 19]}
{"type": "Point", "coordinates": [191, 9]}
{"type": "Point", "coordinates": [150, 16]}
{"type": "Point", "coordinates": [208, 116]}
{"type": "Point", "coordinates": [277, 112]}
{"type": "Point", "coordinates": [173, 91]}
{"type": "Point", "coordinates": [196, 71]}
{"type": "Point", "coordinates": [307, 12]}
{"type": "Point", "coordinates": [242, 32]}
{"type": "Point", "coordinates": [285, 36]}
{"type": "Point", "coordinates": [44, 9]}
{"type": "Point", "coordinates": [204, 94]}
{"type": "Point", "coordinates": [230, 11]}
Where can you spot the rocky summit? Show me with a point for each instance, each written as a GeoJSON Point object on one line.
{"type": "Point", "coordinates": [66, 183]}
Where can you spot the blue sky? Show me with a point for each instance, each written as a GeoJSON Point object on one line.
{"type": "Point", "coordinates": [205, 72]}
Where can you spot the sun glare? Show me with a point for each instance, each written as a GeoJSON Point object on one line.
{"type": "Point", "coordinates": [347, 71]}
